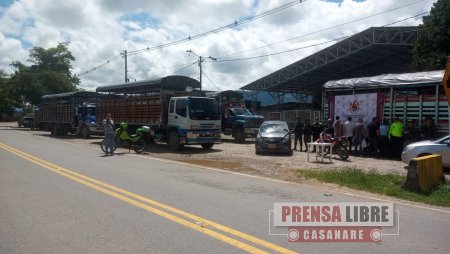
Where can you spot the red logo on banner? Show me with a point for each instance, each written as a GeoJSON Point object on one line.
{"type": "Point", "coordinates": [354, 106]}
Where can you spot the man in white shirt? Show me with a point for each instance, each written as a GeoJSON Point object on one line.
{"type": "Point", "coordinates": [348, 131]}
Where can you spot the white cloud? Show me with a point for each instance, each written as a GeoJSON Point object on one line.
{"type": "Point", "coordinates": [101, 30]}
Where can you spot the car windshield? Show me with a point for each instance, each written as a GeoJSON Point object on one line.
{"type": "Point", "coordinates": [276, 127]}
{"type": "Point", "coordinates": [203, 109]}
{"type": "Point", "coordinates": [241, 111]}
{"type": "Point", "coordinates": [442, 139]}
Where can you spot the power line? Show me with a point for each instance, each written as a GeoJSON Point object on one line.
{"type": "Point", "coordinates": [325, 29]}
{"type": "Point", "coordinates": [212, 82]}
{"type": "Point", "coordinates": [214, 31]}
{"type": "Point", "coordinates": [222, 28]}
{"type": "Point", "coordinates": [309, 46]}
{"type": "Point", "coordinates": [182, 68]}
{"type": "Point", "coordinates": [101, 65]}
{"type": "Point", "coordinates": [263, 14]}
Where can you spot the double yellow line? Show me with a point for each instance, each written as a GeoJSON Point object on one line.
{"type": "Point", "coordinates": [173, 214]}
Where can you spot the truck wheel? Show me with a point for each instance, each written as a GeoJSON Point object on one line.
{"type": "Point", "coordinates": [54, 130]}
{"type": "Point", "coordinates": [207, 146]}
{"type": "Point", "coordinates": [239, 136]}
{"type": "Point", "coordinates": [85, 132]}
{"type": "Point", "coordinates": [174, 140]}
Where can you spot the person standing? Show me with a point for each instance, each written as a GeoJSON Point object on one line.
{"type": "Point", "coordinates": [373, 132]}
{"type": "Point", "coordinates": [396, 137]}
{"type": "Point", "coordinates": [429, 129]}
{"type": "Point", "coordinates": [108, 126]}
{"type": "Point", "coordinates": [338, 128]}
{"type": "Point", "coordinates": [410, 133]}
{"type": "Point", "coordinates": [298, 132]}
{"type": "Point", "coordinates": [307, 132]}
{"type": "Point", "coordinates": [358, 136]}
{"type": "Point", "coordinates": [317, 128]}
{"type": "Point", "coordinates": [348, 132]}
{"type": "Point", "coordinates": [384, 140]}
{"type": "Point", "coordinates": [329, 127]}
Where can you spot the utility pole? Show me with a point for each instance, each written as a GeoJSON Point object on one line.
{"type": "Point", "coordinates": [124, 53]}
{"type": "Point", "coordinates": [200, 60]}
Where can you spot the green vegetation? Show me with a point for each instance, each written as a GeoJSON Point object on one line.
{"type": "Point", "coordinates": [49, 72]}
{"type": "Point", "coordinates": [372, 181]}
{"type": "Point", "coordinates": [433, 41]}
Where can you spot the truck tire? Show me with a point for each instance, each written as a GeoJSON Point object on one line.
{"type": "Point", "coordinates": [85, 132]}
{"type": "Point", "coordinates": [239, 135]}
{"type": "Point", "coordinates": [54, 130]}
{"type": "Point", "coordinates": [207, 146]}
{"type": "Point", "coordinates": [174, 140]}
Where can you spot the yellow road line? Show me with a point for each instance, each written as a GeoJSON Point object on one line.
{"type": "Point", "coordinates": [125, 196]}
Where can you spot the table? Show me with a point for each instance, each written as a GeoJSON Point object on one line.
{"type": "Point", "coordinates": [319, 147]}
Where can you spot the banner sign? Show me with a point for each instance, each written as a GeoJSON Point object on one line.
{"type": "Point", "coordinates": [356, 105]}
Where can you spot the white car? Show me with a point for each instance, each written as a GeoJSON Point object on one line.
{"type": "Point", "coordinates": [438, 146]}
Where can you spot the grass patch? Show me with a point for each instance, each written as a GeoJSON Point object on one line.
{"type": "Point", "coordinates": [372, 181]}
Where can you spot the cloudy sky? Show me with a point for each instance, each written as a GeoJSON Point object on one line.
{"type": "Point", "coordinates": [156, 34]}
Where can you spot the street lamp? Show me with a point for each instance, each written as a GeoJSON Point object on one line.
{"type": "Point", "coordinates": [200, 60]}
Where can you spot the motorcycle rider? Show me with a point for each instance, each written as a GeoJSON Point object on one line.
{"type": "Point", "coordinates": [108, 125]}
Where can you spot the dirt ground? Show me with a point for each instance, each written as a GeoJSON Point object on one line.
{"type": "Point", "coordinates": [241, 157]}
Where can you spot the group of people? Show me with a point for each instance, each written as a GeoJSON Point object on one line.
{"type": "Point", "coordinates": [376, 139]}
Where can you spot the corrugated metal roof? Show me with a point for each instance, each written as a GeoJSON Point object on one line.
{"type": "Point", "coordinates": [177, 83]}
{"type": "Point", "coordinates": [388, 80]}
{"type": "Point", "coordinates": [80, 94]}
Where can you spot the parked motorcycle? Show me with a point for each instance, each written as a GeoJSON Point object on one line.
{"type": "Point", "coordinates": [136, 141]}
{"type": "Point", "coordinates": [340, 145]}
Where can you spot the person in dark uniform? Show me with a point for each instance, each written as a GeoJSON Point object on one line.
{"type": "Point", "coordinates": [298, 132]}
{"type": "Point", "coordinates": [307, 132]}
{"type": "Point", "coordinates": [317, 128]}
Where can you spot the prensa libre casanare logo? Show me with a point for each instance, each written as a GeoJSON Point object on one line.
{"type": "Point", "coordinates": [334, 222]}
{"type": "Point", "coordinates": [354, 106]}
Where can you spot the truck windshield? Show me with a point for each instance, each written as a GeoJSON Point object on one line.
{"type": "Point", "coordinates": [241, 111]}
{"type": "Point", "coordinates": [90, 111]}
{"type": "Point", "coordinates": [203, 109]}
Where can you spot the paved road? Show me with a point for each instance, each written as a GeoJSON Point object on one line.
{"type": "Point", "coordinates": [57, 197]}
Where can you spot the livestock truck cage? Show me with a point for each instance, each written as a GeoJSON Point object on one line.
{"type": "Point", "coordinates": [409, 96]}
{"type": "Point", "coordinates": [144, 102]}
{"type": "Point", "coordinates": [73, 112]}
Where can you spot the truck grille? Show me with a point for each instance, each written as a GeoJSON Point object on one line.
{"type": "Point", "coordinates": [253, 122]}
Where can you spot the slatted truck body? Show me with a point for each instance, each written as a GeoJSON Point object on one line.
{"type": "Point", "coordinates": [73, 112]}
{"type": "Point", "coordinates": [171, 106]}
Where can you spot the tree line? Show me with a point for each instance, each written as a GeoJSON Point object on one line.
{"type": "Point", "coordinates": [50, 69]}
{"type": "Point", "coordinates": [49, 73]}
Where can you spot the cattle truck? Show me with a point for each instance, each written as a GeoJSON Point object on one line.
{"type": "Point", "coordinates": [236, 119]}
{"type": "Point", "coordinates": [73, 112]}
{"type": "Point", "coordinates": [173, 107]}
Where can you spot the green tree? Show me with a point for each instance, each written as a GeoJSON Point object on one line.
{"type": "Point", "coordinates": [49, 73]}
{"type": "Point", "coordinates": [433, 42]}
{"type": "Point", "coordinates": [7, 101]}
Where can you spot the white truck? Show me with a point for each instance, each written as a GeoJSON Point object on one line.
{"type": "Point", "coordinates": [172, 107]}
